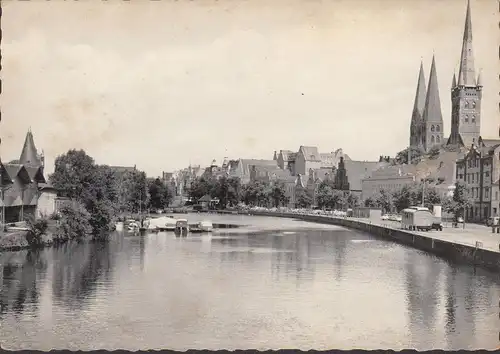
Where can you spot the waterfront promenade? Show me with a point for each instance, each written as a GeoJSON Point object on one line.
{"type": "Point", "coordinates": [473, 245]}
{"type": "Point", "coordinates": [467, 236]}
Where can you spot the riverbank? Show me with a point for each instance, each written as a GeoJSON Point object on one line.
{"type": "Point", "coordinates": [450, 244]}
{"type": "Point", "coordinates": [17, 240]}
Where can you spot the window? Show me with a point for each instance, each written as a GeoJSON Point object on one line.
{"type": "Point", "coordinates": [432, 128]}
{"type": "Point", "coordinates": [473, 119]}
{"type": "Point", "coordinates": [486, 192]}
{"type": "Point", "coordinates": [466, 119]}
{"type": "Point", "coordinates": [438, 129]}
{"type": "Point", "coordinates": [438, 139]}
{"type": "Point", "coordinates": [472, 177]}
{"type": "Point", "coordinates": [487, 173]}
{"type": "Point", "coordinates": [432, 139]}
{"type": "Point", "coordinates": [473, 103]}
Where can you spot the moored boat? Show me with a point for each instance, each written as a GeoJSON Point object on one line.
{"type": "Point", "coordinates": [181, 227]}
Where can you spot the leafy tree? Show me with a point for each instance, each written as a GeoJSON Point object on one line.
{"type": "Point", "coordinates": [200, 187]}
{"type": "Point", "coordinates": [77, 177]}
{"type": "Point", "coordinates": [304, 200]}
{"type": "Point", "coordinates": [324, 195]}
{"type": "Point", "coordinates": [73, 173]}
{"type": "Point", "coordinates": [459, 202]}
{"type": "Point", "coordinates": [352, 200]}
{"type": "Point", "coordinates": [74, 224]}
{"type": "Point", "coordinates": [370, 203]}
{"type": "Point", "coordinates": [384, 200]}
{"type": "Point", "coordinates": [157, 194]}
{"type": "Point", "coordinates": [134, 191]}
{"type": "Point", "coordinates": [434, 152]}
{"type": "Point", "coordinates": [402, 156]}
{"type": "Point", "coordinates": [278, 194]}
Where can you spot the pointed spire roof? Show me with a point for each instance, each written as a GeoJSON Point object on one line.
{"type": "Point", "coordinates": [419, 103]}
{"type": "Point", "coordinates": [432, 110]}
{"type": "Point", "coordinates": [467, 76]}
{"type": "Point", "coordinates": [479, 80]}
{"type": "Point", "coordinates": [454, 81]}
{"type": "Point", "coordinates": [29, 155]}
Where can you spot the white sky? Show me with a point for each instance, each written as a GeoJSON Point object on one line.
{"type": "Point", "coordinates": [168, 83]}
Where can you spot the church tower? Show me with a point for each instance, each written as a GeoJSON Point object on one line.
{"type": "Point", "coordinates": [29, 155]}
{"type": "Point", "coordinates": [432, 131]}
{"type": "Point", "coordinates": [466, 94]}
{"type": "Point", "coordinates": [416, 138]}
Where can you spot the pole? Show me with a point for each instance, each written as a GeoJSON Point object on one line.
{"type": "Point", "coordinates": [423, 193]}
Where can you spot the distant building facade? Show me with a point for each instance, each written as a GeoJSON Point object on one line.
{"type": "Point", "coordinates": [479, 170]}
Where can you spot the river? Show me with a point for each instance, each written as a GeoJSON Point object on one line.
{"type": "Point", "coordinates": [272, 283]}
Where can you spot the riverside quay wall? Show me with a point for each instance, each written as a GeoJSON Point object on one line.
{"type": "Point", "coordinates": [449, 250]}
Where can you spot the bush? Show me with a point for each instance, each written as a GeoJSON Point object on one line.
{"type": "Point", "coordinates": [74, 224]}
{"type": "Point", "coordinates": [36, 229]}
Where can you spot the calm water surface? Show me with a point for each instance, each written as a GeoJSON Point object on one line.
{"type": "Point", "coordinates": [274, 283]}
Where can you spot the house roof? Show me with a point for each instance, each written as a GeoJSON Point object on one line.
{"type": "Point", "coordinates": [359, 170]}
{"type": "Point", "coordinates": [18, 171]}
{"type": "Point", "coordinates": [36, 174]}
{"type": "Point", "coordinates": [29, 155]}
{"type": "Point", "coordinates": [205, 198]}
{"type": "Point", "coordinates": [310, 153]}
{"type": "Point", "coordinates": [246, 163]}
{"type": "Point", "coordinates": [288, 155]}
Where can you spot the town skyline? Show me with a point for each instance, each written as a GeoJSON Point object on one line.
{"type": "Point", "coordinates": [86, 108]}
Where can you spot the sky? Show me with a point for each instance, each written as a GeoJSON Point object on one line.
{"type": "Point", "coordinates": [165, 84]}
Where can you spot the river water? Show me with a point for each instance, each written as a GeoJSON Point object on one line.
{"type": "Point", "coordinates": [273, 283]}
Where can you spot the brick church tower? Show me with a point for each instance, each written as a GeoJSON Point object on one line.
{"type": "Point", "coordinates": [466, 94]}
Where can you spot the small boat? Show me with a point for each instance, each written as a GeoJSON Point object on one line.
{"type": "Point", "coordinates": [181, 227]}
{"type": "Point", "coordinates": [202, 226]}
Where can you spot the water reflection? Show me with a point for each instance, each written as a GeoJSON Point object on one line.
{"type": "Point", "coordinates": [301, 288]}
{"type": "Point", "coordinates": [21, 273]}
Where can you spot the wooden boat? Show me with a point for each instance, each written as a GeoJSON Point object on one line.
{"type": "Point", "coordinates": [181, 227]}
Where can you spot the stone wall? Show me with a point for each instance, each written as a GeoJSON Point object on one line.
{"type": "Point", "coordinates": [445, 249]}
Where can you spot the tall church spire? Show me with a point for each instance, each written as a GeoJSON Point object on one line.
{"type": "Point", "coordinates": [416, 138]}
{"type": "Point", "coordinates": [466, 75]}
{"type": "Point", "coordinates": [432, 110]}
{"type": "Point", "coordinates": [419, 103]}
{"type": "Point", "coordinates": [29, 155]}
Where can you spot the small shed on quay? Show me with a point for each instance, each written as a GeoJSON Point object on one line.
{"type": "Point", "coordinates": [367, 213]}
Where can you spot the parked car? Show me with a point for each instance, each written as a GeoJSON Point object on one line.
{"type": "Point", "coordinates": [385, 217]}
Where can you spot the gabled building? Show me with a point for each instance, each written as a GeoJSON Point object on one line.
{"type": "Point", "coordinates": [479, 170]}
{"type": "Point", "coordinates": [243, 168]}
{"type": "Point", "coordinates": [20, 182]}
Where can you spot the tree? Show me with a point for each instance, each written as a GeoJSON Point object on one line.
{"type": "Point", "coordinates": [278, 194]}
{"type": "Point", "coordinates": [304, 200]}
{"type": "Point", "coordinates": [73, 174]}
{"type": "Point", "coordinates": [352, 200]}
{"type": "Point", "coordinates": [402, 156]}
{"type": "Point", "coordinates": [134, 191]}
{"type": "Point", "coordinates": [459, 202]}
{"type": "Point", "coordinates": [370, 203]}
{"type": "Point", "coordinates": [324, 195]}
{"type": "Point", "coordinates": [157, 194]}
{"type": "Point", "coordinates": [434, 152]}
{"type": "Point", "coordinates": [77, 177]}
{"type": "Point", "coordinates": [384, 200]}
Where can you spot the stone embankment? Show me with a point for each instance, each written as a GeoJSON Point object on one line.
{"type": "Point", "coordinates": [448, 249]}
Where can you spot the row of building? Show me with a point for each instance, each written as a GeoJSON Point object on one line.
{"type": "Point", "coordinates": [475, 161]}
